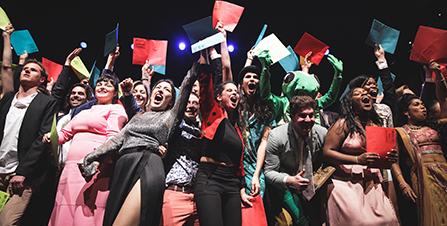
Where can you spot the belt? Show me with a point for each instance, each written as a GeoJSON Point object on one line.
{"type": "Point", "coordinates": [184, 189]}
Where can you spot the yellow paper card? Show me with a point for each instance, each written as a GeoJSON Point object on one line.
{"type": "Point", "coordinates": [276, 49]}
{"type": "Point", "coordinates": [4, 20]}
{"type": "Point", "coordinates": [3, 198]}
{"type": "Point", "coordinates": [54, 138]}
{"type": "Point", "coordinates": [79, 68]}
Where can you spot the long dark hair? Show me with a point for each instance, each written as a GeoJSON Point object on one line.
{"type": "Point", "coordinates": [239, 119]}
{"type": "Point", "coordinates": [347, 112]}
{"type": "Point", "coordinates": [173, 92]}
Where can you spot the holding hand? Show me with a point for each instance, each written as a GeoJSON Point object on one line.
{"type": "Point", "coordinates": [163, 150]}
{"type": "Point", "coordinates": [46, 138]}
{"type": "Point", "coordinates": [265, 59]}
{"type": "Point", "coordinates": [16, 184]}
{"type": "Point", "coordinates": [219, 28]}
{"type": "Point", "coordinates": [379, 52]}
{"type": "Point", "coordinates": [8, 30]}
{"type": "Point", "coordinates": [298, 182]}
{"type": "Point", "coordinates": [146, 72]}
{"type": "Point", "coordinates": [246, 198]}
{"type": "Point", "coordinates": [392, 156]}
{"type": "Point", "coordinates": [72, 55]}
{"type": "Point", "coordinates": [305, 67]}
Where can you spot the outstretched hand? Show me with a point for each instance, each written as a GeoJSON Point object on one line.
{"type": "Point", "coordinates": [336, 64]}
{"type": "Point", "coordinates": [305, 67]}
{"type": "Point", "coordinates": [8, 30]}
{"type": "Point", "coordinates": [265, 59]}
{"type": "Point", "coordinates": [219, 27]}
{"type": "Point", "coordinates": [72, 55]}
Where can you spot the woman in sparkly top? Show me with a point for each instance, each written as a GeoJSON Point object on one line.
{"type": "Point", "coordinates": [136, 193]}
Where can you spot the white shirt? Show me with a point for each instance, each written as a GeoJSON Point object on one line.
{"type": "Point", "coordinates": [8, 149]}
{"type": "Point", "coordinates": [65, 147]}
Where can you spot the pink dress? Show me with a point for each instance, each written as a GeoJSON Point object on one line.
{"type": "Point", "coordinates": [357, 197]}
{"type": "Point", "coordinates": [78, 202]}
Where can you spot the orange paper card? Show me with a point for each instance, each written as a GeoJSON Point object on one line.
{"type": "Point", "coordinates": [152, 50]}
{"type": "Point", "coordinates": [308, 43]}
{"type": "Point", "coordinates": [227, 13]}
{"type": "Point", "coordinates": [380, 140]}
{"type": "Point", "coordinates": [424, 38]}
{"type": "Point", "coordinates": [53, 69]}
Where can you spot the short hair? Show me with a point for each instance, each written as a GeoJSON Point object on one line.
{"type": "Point", "coordinates": [88, 95]}
{"type": "Point", "coordinates": [108, 78]}
{"type": "Point", "coordinates": [301, 101]}
{"type": "Point", "coordinates": [43, 86]}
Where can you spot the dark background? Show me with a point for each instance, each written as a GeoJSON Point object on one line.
{"type": "Point", "coordinates": [59, 26]}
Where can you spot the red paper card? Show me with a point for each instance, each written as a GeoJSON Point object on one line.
{"type": "Point", "coordinates": [53, 69]}
{"type": "Point", "coordinates": [437, 50]}
{"type": "Point", "coordinates": [424, 37]}
{"type": "Point", "coordinates": [380, 140]}
{"type": "Point", "coordinates": [308, 43]}
{"type": "Point", "coordinates": [152, 50]}
{"type": "Point", "coordinates": [227, 13]}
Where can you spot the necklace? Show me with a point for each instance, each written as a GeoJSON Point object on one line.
{"type": "Point", "coordinates": [415, 127]}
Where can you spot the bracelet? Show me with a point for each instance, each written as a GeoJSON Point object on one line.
{"type": "Point", "coordinates": [398, 174]}
{"type": "Point", "coordinates": [403, 186]}
{"type": "Point", "coordinates": [357, 159]}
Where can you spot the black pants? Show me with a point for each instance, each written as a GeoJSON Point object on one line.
{"type": "Point", "coordinates": [217, 195]}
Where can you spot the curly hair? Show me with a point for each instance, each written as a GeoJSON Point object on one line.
{"type": "Point", "coordinates": [347, 112]}
{"type": "Point", "coordinates": [88, 95]}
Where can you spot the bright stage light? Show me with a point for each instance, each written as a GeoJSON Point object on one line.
{"type": "Point", "coordinates": [83, 45]}
{"type": "Point", "coordinates": [182, 46]}
{"type": "Point", "coordinates": [230, 48]}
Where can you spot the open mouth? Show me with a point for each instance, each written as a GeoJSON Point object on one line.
{"type": "Point", "coordinates": [373, 92]}
{"type": "Point", "coordinates": [158, 98]}
{"type": "Point", "coordinates": [251, 86]}
{"type": "Point", "coordinates": [233, 99]}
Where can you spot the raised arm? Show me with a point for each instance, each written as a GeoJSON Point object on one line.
{"type": "Point", "coordinates": [249, 60]}
{"type": "Point", "coordinates": [146, 75]}
{"type": "Point", "coordinates": [331, 96]}
{"type": "Point", "coordinates": [441, 90]}
{"type": "Point", "coordinates": [6, 70]}
{"type": "Point", "coordinates": [60, 88]}
{"type": "Point", "coordinates": [111, 59]}
{"type": "Point", "coordinates": [128, 100]}
{"type": "Point", "coordinates": [385, 75]}
{"type": "Point", "coordinates": [227, 75]}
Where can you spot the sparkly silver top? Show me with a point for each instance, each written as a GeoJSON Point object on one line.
{"type": "Point", "coordinates": [150, 129]}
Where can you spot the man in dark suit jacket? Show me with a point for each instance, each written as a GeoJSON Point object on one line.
{"type": "Point", "coordinates": [25, 117]}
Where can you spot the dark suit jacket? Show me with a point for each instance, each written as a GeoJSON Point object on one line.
{"type": "Point", "coordinates": [32, 153]}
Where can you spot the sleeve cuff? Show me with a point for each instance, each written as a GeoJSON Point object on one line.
{"type": "Point", "coordinates": [382, 64]}
{"type": "Point", "coordinates": [284, 184]}
{"type": "Point", "coordinates": [215, 56]}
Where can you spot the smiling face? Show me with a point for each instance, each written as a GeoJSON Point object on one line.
{"type": "Point", "coordinates": [417, 111]}
{"type": "Point", "coordinates": [105, 92]}
{"type": "Point", "coordinates": [303, 120]}
{"type": "Point", "coordinates": [77, 96]}
{"type": "Point", "coordinates": [31, 75]}
{"type": "Point", "coordinates": [140, 95]}
{"type": "Point", "coordinates": [250, 84]}
{"type": "Point", "coordinates": [371, 87]}
{"type": "Point", "coordinates": [192, 109]}
{"type": "Point", "coordinates": [161, 97]}
{"type": "Point", "coordinates": [229, 98]}
{"type": "Point", "coordinates": [362, 102]}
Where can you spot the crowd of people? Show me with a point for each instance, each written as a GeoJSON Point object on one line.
{"type": "Point", "coordinates": [202, 153]}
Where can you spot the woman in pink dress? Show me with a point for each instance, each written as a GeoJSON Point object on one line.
{"type": "Point", "coordinates": [355, 196]}
{"type": "Point", "coordinates": [78, 202]}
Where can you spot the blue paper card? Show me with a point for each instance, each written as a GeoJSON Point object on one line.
{"type": "Point", "coordinates": [290, 62]}
{"type": "Point", "coordinates": [199, 29]}
{"type": "Point", "coordinates": [380, 85]}
{"type": "Point", "coordinates": [111, 41]}
{"type": "Point", "coordinates": [21, 41]}
{"type": "Point", "coordinates": [383, 34]}
{"type": "Point", "coordinates": [94, 75]}
{"type": "Point", "coordinates": [261, 35]}
{"type": "Point", "coordinates": [161, 69]}
{"type": "Point", "coordinates": [207, 42]}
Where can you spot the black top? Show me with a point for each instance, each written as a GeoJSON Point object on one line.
{"type": "Point", "coordinates": [226, 146]}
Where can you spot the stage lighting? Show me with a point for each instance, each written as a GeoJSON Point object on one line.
{"type": "Point", "coordinates": [327, 52]}
{"type": "Point", "coordinates": [182, 46]}
{"type": "Point", "coordinates": [83, 45]}
{"type": "Point", "coordinates": [131, 46]}
{"type": "Point", "coordinates": [230, 48]}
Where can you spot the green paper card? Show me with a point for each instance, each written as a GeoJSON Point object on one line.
{"type": "Point", "coordinates": [3, 198]}
{"type": "Point", "coordinates": [54, 138]}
